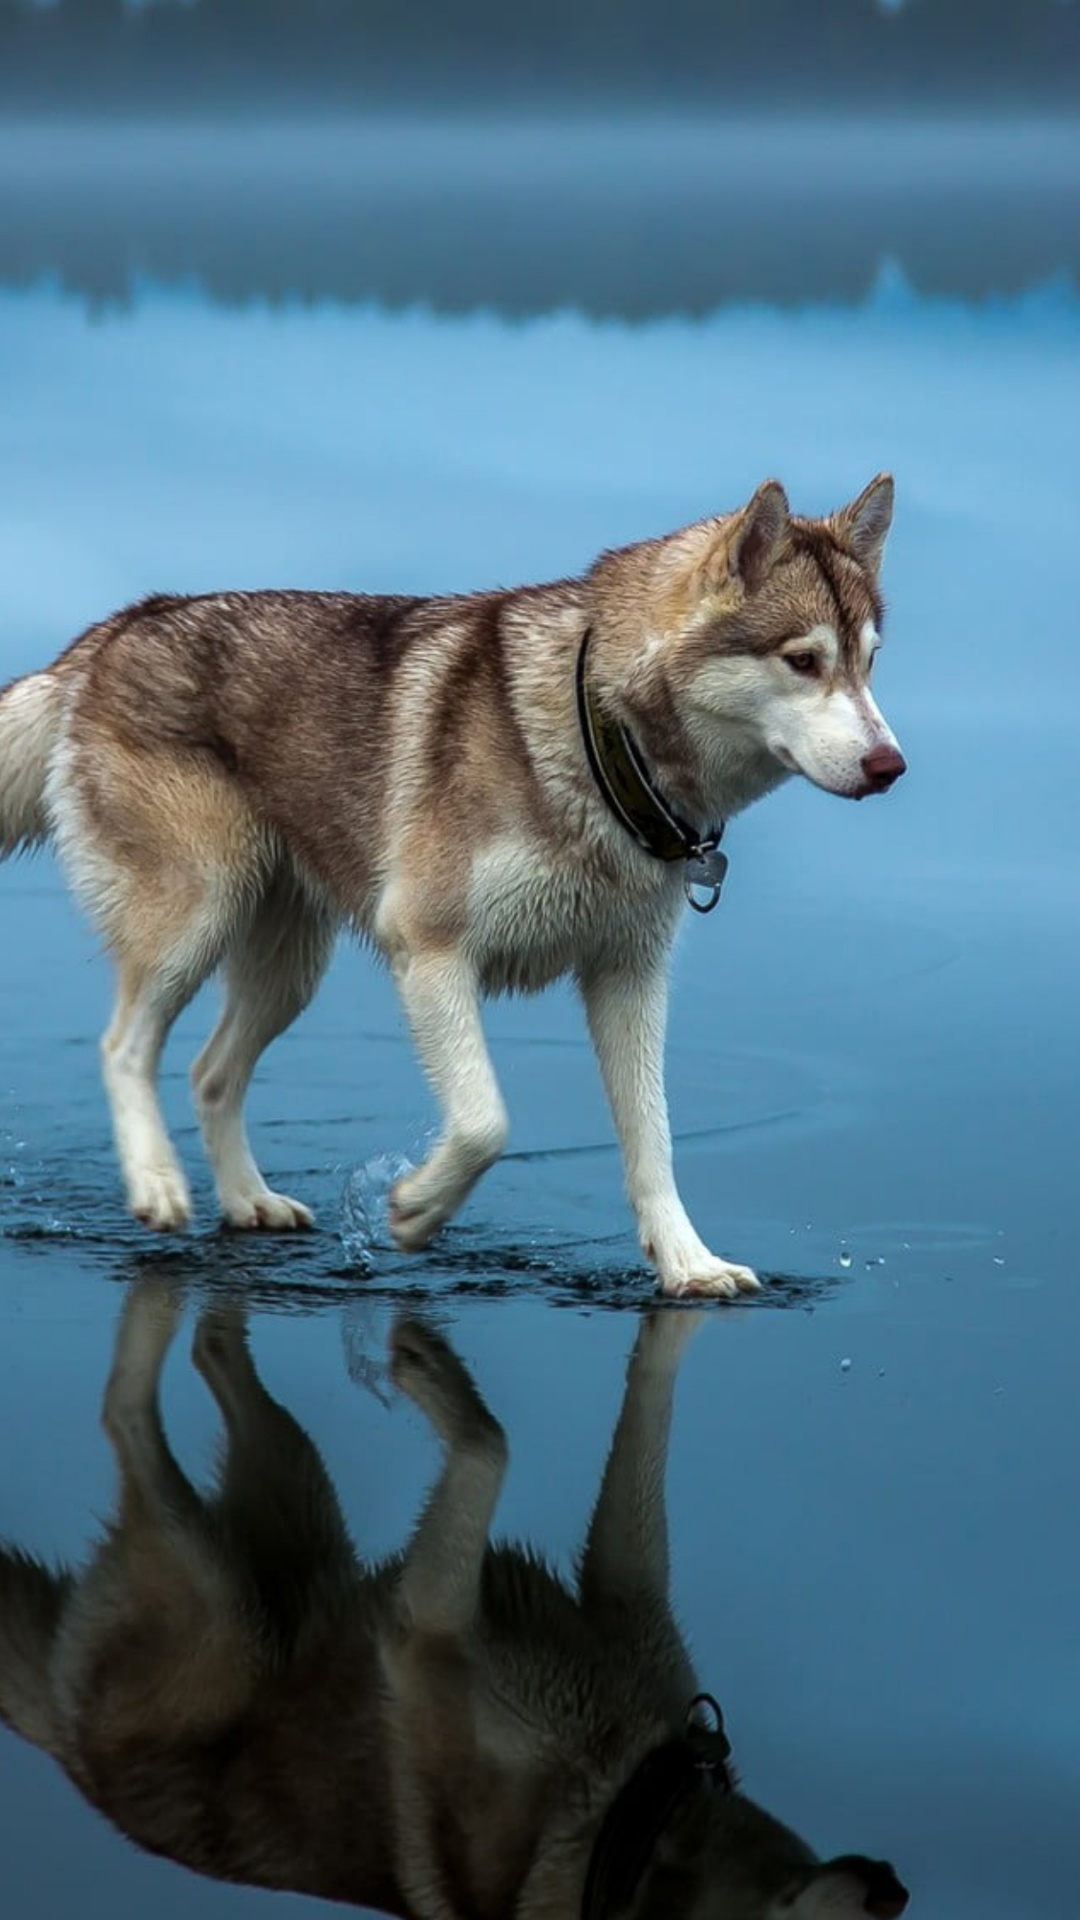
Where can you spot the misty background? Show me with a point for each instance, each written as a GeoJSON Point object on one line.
{"type": "Point", "coordinates": [622, 158]}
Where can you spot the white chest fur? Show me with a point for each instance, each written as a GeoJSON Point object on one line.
{"type": "Point", "coordinates": [533, 918]}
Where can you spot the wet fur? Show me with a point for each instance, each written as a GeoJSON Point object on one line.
{"type": "Point", "coordinates": [437, 1736]}
{"type": "Point", "coordinates": [230, 779]}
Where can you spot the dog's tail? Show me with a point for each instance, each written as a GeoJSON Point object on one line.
{"type": "Point", "coordinates": [32, 1602]}
{"type": "Point", "coordinates": [31, 714]}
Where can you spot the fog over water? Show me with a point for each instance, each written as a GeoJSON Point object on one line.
{"type": "Point", "coordinates": [625, 217]}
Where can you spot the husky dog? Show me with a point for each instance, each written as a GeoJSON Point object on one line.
{"type": "Point", "coordinates": [494, 790]}
{"type": "Point", "coordinates": [453, 1732]}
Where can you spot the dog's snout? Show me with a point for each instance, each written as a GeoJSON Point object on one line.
{"type": "Point", "coordinates": [882, 765]}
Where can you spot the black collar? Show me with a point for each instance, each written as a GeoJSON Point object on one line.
{"type": "Point", "coordinates": [661, 1785]}
{"type": "Point", "coordinates": [637, 803]}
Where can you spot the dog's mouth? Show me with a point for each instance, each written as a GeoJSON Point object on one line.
{"type": "Point", "coordinates": [880, 768]}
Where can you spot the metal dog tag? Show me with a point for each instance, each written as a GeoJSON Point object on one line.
{"type": "Point", "coordinates": [703, 878]}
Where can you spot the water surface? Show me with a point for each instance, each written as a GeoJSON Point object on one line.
{"type": "Point", "coordinates": [873, 1063]}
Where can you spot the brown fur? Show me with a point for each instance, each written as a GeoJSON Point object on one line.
{"type": "Point", "coordinates": [230, 777]}
{"type": "Point", "coordinates": [438, 1736]}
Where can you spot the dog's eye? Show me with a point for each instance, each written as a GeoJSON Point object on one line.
{"type": "Point", "coordinates": [806, 663]}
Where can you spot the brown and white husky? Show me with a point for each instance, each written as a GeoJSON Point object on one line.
{"type": "Point", "coordinates": [455, 1734]}
{"type": "Point", "coordinates": [494, 790]}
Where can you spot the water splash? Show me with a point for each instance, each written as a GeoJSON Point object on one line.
{"type": "Point", "coordinates": [365, 1207]}
{"type": "Point", "coordinates": [363, 1337]}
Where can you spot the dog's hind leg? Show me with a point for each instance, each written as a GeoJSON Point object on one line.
{"type": "Point", "coordinates": [160, 1640]}
{"type": "Point", "coordinates": [276, 1499]}
{"type": "Point", "coordinates": [151, 1482]}
{"type": "Point", "coordinates": [166, 856]}
{"type": "Point", "coordinates": [440, 995]}
{"type": "Point", "coordinates": [272, 969]}
{"type": "Point", "coordinates": [147, 1004]}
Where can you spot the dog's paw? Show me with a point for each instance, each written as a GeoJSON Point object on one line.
{"type": "Point", "coordinates": [663, 1336]}
{"type": "Point", "coordinates": [265, 1212]}
{"type": "Point", "coordinates": [425, 1367]}
{"type": "Point", "coordinates": [220, 1353]}
{"type": "Point", "coordinates": [159, 1197]}
{"type": "Point", "coordinates": [148, 1322]}
{"type": "Point", "coordinates": [417, 1211]}
{"type": "Point", "coordinates": [219, 1332]}
{"type": "Point", "coordinates": [711, 1278]}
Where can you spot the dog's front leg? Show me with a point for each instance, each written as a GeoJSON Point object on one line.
{"type": "Point", "coordinates": [438, 1587]}
{"type": "Point", "coordinates": [431, 1645]}
{"type": "Point", "coordinates": [627, 1013]}
{"type": "Point", "coordinates": [625, 1562]}
{"type": "Point", "coordinates": [440, 995]}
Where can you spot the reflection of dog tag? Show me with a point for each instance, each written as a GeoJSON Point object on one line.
{"type": "Point", "coordinates": [703, 877]}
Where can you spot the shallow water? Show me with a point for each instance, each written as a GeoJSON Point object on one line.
{"type": "Point", "coordinates": [874, 1050]}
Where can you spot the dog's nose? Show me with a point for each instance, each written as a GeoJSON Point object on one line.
{"type": "Point", "coordinates": [882, 765]}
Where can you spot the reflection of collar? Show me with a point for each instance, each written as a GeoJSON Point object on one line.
{"type": "Point", "coordinates": [661, 1785]}
{"type": "Point", "coordinates": [636, 801]}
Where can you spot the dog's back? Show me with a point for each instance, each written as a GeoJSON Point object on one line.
{"type": "Point", "coordinates": [262, 722]}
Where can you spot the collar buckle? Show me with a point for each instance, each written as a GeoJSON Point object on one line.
{"type": "Point", "coordinates": [706, 1737]}
{"type": "Point", "coordinates": [704, 874]}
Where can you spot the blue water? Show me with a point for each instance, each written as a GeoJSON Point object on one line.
{"type": "Point", "coordinates": [874, 1046]}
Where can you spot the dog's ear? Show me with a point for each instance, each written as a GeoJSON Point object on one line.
{"type": "Point", "coordinates": [863, 527]}
{"type": "Point", "coordinates": [849, 1888]}
{"type": "Point", "coordinates": [743, 546]}
{"type": "Point", "coordinates": [753, 543]}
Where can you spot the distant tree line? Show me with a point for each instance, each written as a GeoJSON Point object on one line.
{"type": "Point", "coordinates": [239, 54]}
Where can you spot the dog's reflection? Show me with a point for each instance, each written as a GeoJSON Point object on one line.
{"type": "Point", "coordinates": [455, 1734]}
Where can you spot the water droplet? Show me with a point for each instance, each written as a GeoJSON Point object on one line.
{"type": "Point", "coordinates": [845, 1257]}
{"type": "Point", "coordinates": [365, 1206]}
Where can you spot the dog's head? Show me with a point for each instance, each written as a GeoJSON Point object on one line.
{"type": "Point", "coordinates": [845, 1889]}
{"type": "Point", "coordinates": [761, 633]}
{"type": "Point", "coordinates": [736, 1862]}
